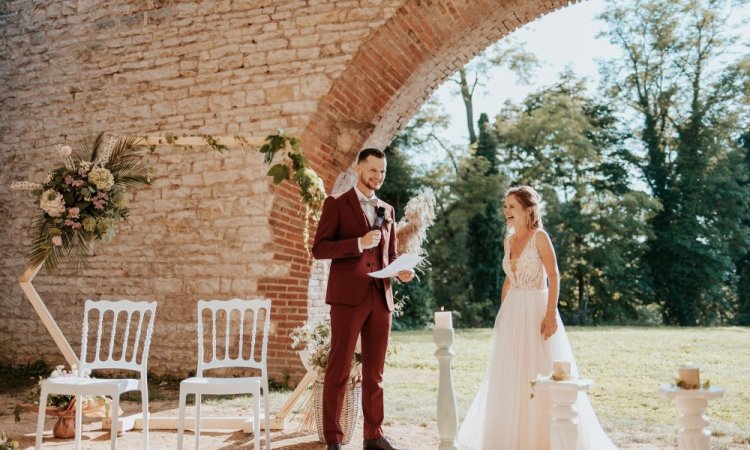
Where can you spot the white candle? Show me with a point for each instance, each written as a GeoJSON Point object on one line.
{"type": "Point", "coordinates": [690, 377]}
{"type": "Point", "coordinates": [561, 370]}
{"type": "Point", "coordinates": [443, 319]}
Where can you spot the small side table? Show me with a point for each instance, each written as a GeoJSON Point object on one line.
{"type": "Point", "coordinates": [692, 425]}
{"type": "Point", "coordinates": [563, 396]}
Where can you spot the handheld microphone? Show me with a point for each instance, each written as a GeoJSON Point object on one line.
{"type": "Point", "coordinates": [379, 219]}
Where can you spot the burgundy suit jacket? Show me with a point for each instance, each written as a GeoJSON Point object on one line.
{"type": "Point", "coordinates": [341, 223]}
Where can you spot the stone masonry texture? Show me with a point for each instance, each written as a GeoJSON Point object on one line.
{"type": "Point", "coordinates": [340, 74]}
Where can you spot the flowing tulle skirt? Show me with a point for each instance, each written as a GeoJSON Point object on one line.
{"type": "Point", "coordinates": [503, 416]}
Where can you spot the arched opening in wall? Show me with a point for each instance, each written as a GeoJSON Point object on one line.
{"type": "Point", "coordinates": [389, 78]}
{"type": "Point", "coordinates": [579, 138]}
{"type": "Point", "coordinates": [612, 164]}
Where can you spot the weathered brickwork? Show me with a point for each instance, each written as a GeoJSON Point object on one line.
{"type": "Point", "coordinates": [342, 74]}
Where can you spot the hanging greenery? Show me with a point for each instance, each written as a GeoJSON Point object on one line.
{"type": "Point", "coordinates": [292, 167]}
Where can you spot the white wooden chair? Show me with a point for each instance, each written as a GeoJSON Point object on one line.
{"type": "Point", "coordinates": [250, 353]}
{"type": "Point", "coordinates": [136, 320]}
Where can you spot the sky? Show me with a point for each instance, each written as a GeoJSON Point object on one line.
{"type": "Point", "coordinates": [565, 38]}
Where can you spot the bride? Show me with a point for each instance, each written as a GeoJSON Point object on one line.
{"type": "Point", "coordinates": [527, 337]}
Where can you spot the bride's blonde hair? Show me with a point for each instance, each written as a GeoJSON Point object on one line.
{"type": "Point", "coordinates": [529, 199]}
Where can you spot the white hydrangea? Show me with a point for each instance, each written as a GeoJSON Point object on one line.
{"type": "Point", "coordinates": [64, 151]}
{"type": "Point", "coordinates": [101, 178]}
{"type": "Point", "coordinates": [52, 202]}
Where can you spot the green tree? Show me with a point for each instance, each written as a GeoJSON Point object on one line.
{"type": "Point", "coordinates": [484, 240]}
{"type": "Point", "coordinates": [400, 186]}
{"type": "Point", "coordinates": [503, 54]}
{"type": "Point", "coordinates": [568, 146]}
{"type": "Point", "coordinates": [742, 316]}
{"type": "Point", "coordinates": [685, 98]}
{"type": "Point", "coordinates": [460, 197]}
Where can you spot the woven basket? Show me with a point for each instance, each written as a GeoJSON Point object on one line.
{"type": "Point", "coordinates": [349, 411]}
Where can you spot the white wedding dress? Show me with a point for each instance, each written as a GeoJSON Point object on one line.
{"type": "Point", "coordinates": [503, 416]}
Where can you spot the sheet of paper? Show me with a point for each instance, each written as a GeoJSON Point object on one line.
{"type": "Point", "coordinates": [407, 261]}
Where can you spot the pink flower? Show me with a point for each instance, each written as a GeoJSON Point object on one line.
{"type": "Point", "coordinates": [68, 180]}
{"type": "Point", "coordinates": [73, 212]}
{"type": "Point", "coordinates": [78, 183]}
{"type": "Point", "coordinates": [99, 200]}
{"type": "Point", "coordinates": [57, 241]}
{"type": "Point", "coordinates": [72, 224]}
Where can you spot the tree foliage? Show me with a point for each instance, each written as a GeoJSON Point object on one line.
{"type": "Point", "coordinates": [568, 145]}
{"type": "Point", "coordinates": [684, 97]}
{"type": "Point", "coordinates": [645, 183]}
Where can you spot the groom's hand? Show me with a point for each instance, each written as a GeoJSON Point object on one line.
{"type": "Point", "coordinates": [371, 239]}
{"type": "Point", "coordinates": [406, 275]}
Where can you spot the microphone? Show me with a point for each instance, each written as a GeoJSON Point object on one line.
{"type": "Point", "coordinates": [379, 218]}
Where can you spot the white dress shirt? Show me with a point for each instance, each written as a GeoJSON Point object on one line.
{"type": "Point", "coordinates": [369, 211]}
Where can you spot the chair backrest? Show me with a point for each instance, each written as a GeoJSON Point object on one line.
{"type": "Point", "coordinates": [127, 326]}
{"type": "Point", "coordinates": [240, 327]}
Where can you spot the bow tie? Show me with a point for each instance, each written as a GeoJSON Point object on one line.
{"type": "Point", "coordinates": [372, 202]}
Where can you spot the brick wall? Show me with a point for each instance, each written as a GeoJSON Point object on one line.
{"type": "Point", "coordinates": [339, 73]}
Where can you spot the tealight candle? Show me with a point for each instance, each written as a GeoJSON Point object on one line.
{"type": "Point", "coordinates": [690, 377]}
{"type": "Point", "coordinates": [443, 319]}
{"type": "Point", "coordinates": [561, 370]}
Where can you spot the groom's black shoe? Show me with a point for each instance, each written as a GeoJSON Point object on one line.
{"type": "Point", "coordinates": [380, 443]}
{"type": "Point", "coordinates": [333, 447]}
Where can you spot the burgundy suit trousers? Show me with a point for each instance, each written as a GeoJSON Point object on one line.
{"type": "Point", "coordinates": [373, 319]}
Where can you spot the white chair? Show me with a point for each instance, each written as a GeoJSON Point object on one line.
{"type": "Point", "coordinates": [135, 337]}
{"type": "Point", "coordinates": [250, 353]}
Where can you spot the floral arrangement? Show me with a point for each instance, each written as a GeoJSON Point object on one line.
{"type": "Point", "coordinates": [7, 444]}
{"type": "Point", "coordinates": [83, 199]}
{"type": "Point", "coordinates": [314, 343]}
{"type": "Point", "coordinates": [682, 385]}
{"type": "Point", "coordinates": [552, 376]}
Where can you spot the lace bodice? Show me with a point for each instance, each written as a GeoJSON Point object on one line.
{"type": "Point", "coordinates": [529, 271]}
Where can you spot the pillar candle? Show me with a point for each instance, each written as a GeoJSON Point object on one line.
{"type": "Point", "coordinates": [690, 377]}
{"type": "Point", "coordinates": [561, 370]}
{"type": "Point", "coordinates": [444, 319]}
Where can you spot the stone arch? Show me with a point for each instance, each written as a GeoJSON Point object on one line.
{"type": "Point", "coordinates": [393, 73]}
{"type": "Point", "coordinates": [390, 76]}
{"type": "Point", "coordinates": [399, 67]}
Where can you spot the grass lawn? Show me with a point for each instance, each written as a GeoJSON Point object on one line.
{"type": "Point", "coordinates": [627, 364]}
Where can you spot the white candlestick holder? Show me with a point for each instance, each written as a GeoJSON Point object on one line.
{"type": "Point", "coordinates": [447, 419]}
{"type": "Point", "coordinates": [693, 432]}
{"type": "Point", "coordinates": [563, 396]}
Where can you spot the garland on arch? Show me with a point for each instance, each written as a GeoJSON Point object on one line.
{"type": "Point", "coordinates": [292, 167]}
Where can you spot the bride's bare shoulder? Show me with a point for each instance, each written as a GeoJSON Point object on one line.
{"type": "Point", "coordinates": [542, 237]}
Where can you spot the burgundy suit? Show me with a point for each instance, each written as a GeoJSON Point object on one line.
{"type": "Point", "coordinates": [359, 304]}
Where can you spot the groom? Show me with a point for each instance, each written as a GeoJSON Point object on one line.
{"type": "Point", "coordinates": [357, 233]}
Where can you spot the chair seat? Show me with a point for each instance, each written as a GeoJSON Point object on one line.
{"type": "Point", "coordinates": [91, 386]}
{"type": "Point", "coordinates": [221, 386]}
